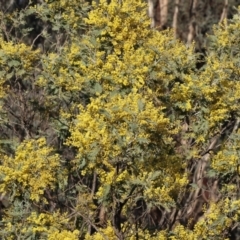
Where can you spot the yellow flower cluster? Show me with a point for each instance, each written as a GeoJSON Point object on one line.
{"type": "Point", "coordinates": [111, 127]}
{"type": "Point", "coordinates": [43, 222]}
{"type": "Point", "coordinates": [15, 59]}
{"type": "Point", "coordinates": [34, 168]}
{"type": "Point", "coordinates": [51, 225]}
{"type": "Point", "coordinates": [106, 233]}
{"type": "Point", "coordinates": [20, 52]}
{"type": "Point", "coordinates": [64, 235]}
{"type": "Point", "coordinates": [68, 12]}
{"type": "Point", "coordinates": [212, 225]}
{"type": "Point", "coordinates": [114, 18]}
{"type": "Point", "coordinates": [125, 54]}
{"type": "Point", "coordinates": [219, 80]}
{"type": "Point", "coordinates": [227, 160]}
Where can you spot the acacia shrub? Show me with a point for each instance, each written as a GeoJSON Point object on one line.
{"type": "Point", "coordinates": [114, 134]}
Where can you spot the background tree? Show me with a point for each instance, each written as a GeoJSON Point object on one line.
{"type": "Point", "coordinates": [191, 20]}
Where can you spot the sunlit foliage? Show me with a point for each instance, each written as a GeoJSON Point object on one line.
{"type": "Point", "coordinates": [110, 131]}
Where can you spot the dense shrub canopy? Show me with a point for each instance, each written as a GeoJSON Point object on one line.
{"type": "Point", "coordinates": [109, 128]}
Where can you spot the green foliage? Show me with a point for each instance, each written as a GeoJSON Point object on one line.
{"type": "Point", "coordinates": [109, 131]}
